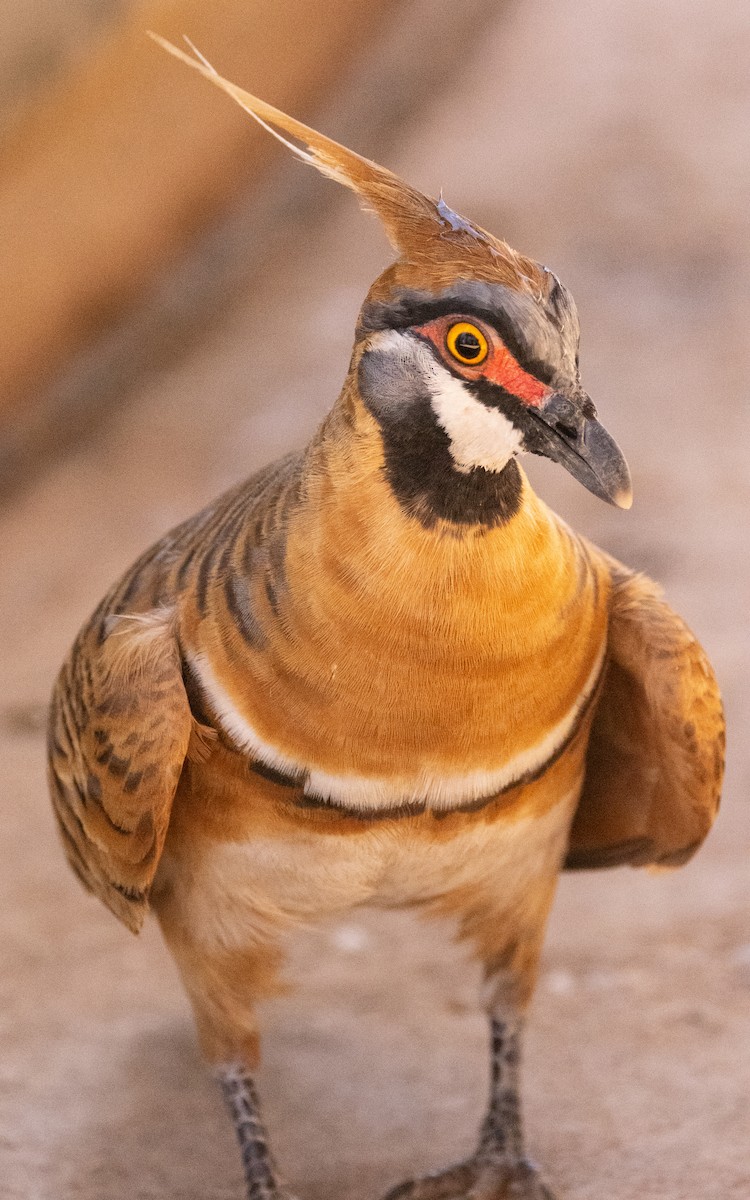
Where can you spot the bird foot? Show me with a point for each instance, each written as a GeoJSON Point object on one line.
{"type": "Point", "coordinates": [477, 1179]}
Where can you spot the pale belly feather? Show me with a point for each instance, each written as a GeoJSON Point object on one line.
{"type": "Point", "coordinates": [243, 892]}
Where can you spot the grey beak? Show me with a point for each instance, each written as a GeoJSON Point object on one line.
{"type": "Point", "coordinates": [568, 435]}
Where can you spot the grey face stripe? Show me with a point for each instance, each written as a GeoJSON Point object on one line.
{"type": "Point", "coordinates": [541, 332]}
{"type": "Point", "coordinates": [242, 1101]}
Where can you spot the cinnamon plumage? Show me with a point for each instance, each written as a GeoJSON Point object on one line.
{"type": "Point", "coordinates": [383, 672]}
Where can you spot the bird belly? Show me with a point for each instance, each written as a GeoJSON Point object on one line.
{"type": "Point", "coordinates": [249, 879]}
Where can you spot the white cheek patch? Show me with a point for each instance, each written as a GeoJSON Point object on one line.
{"type": "Point", "coordinates": [479, 436]}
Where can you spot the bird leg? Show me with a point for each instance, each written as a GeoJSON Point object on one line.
{"type": "Point", "coordinates": [498, 1170]}
{"type": "Point", "coordinates": [502, 1130]}
{"type": "Point", "coordinates": [242, 1101]}
{"type": "Point", "coordinates": [223, 986]}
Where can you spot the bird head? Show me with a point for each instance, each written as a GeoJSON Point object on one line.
{"type": "Point", "coordinates": [466, 352]}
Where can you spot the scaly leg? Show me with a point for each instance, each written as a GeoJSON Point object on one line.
{"type": "Point", "coordinates": [502, 1131]}
{"type": "Point", "coordinates": [224, 986]}
{"type": "Point", "coordinates": [242, 1101]}
{"type": "Point", "coordinates": [509, 944]}
{"type": "Point", "coordinates": [499, 1169]}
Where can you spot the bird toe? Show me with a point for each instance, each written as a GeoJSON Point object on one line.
{"type": "Point", "coordinates": [442, 1185]}
{"type": "Point", "coordinates": [476, 1180]}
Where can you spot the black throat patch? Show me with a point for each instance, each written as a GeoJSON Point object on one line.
{"type": "Point", "coordinates": [427, 484]}
{"type": "Point", "coordinates": [418, 461]}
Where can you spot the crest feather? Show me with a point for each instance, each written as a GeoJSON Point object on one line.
{"type": "Point", "coordinates": [424, 231]}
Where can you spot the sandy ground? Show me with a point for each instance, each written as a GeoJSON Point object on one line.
{"type": "Point", "coordinates": [606, 139]}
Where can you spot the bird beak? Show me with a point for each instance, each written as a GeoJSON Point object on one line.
{"type": "Point", "coordinates": [567, 432]}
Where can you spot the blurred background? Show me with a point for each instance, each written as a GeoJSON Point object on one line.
{"type": "Point", "coordinates": [150, 238]}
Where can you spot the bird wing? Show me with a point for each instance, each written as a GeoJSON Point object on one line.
{"type": "Point", "coordinates": [120, 729]}
{"type": "Point", "coordinates": [656, 754]}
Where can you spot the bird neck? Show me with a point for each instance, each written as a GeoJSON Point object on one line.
{"type": "Point", "coordinates": [418, 646]}
{"type": "Point", "coordinates": [467, 587]}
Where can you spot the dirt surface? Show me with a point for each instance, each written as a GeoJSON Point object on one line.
{"type": "Point", "coordinates": [609, 141]}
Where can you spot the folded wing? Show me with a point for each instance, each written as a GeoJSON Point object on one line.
{"type": "Point", "coordinates": [656, 755]}
{"type": "Point", "coordinates": [120, 727]}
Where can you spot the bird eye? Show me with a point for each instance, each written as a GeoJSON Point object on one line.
{"type": "Point", "coordinates": [467, 343]}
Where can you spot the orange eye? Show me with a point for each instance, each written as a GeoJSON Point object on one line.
{"type": "Point", "coordinates": [467, 343]}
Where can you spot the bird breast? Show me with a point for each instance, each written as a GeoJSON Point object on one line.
{"type": "Point", "coordinates": [399, 667]}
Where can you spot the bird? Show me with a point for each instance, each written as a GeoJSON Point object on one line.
{"type": "Point", "coordinates": [383, 672]}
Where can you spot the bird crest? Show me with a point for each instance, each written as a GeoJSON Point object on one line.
{"type": "Point", "coordinates": [425, 232]}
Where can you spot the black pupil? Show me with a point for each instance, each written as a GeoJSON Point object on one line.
{"type": "Point", "coordinates": [468, 345]}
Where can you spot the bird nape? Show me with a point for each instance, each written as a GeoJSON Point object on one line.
{"type": "Point", "coordinates": [382, 671]}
